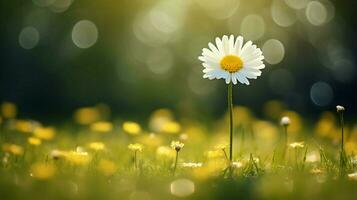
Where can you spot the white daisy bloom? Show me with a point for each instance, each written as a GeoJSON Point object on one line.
{"type": "Point", "coordinates": [232, 60]}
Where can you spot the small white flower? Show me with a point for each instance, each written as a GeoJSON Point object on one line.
{"type": "Point", "coordinates": [340, 108]}
{"type": "Point", "coordinates": [285, 121]}
{"type": "Point", "coordinates": [191, 165]}
{"type": "Point", "coordinates": [135, 147]}
{"type": "Point", "coordinates": [297, 145]}
{"type": "Point", "coordinates": [177, 145]}
{"type": "Point", "coordinates": [232, 60]}
{"type": "Point", "coordinates": [237, 164]}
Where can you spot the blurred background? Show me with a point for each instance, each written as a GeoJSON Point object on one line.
{"type": "Point", "coordinates": [136, 56]}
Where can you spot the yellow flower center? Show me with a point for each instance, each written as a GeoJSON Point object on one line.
{"type": "Point", "coordinates": [231, 63]}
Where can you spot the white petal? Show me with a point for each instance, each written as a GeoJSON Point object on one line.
{"type": "Point", "coordinates": [231, 45]}
{"type": "Point", "coordinates": [207, 52]}
{"type": "Point", "coordinates": [256, 60]}
{"type": "Point", "coordinates": [225, 43]}
{"type": "Point", "coordinates": [219, 45]}
{"type": "Point", "coordinates": [234, 79]}
{"type": "Point", "coordinates": [214, 49]}
{"type": "Point", "coordinates": [238, 45]}
{"type": "Point", "coordinates": [248, 51]}
{"type": "Point", "coordinates": [242, 78]}
{"type": "Point", "coordinates": [246, 45]}
{"type": "Point", "coordinates": [228, 79]}
{"type": "Point", "coordinates": [252, 56]}
{"type": "Point", "coordinates": [208, 59]}
{"type": "Point", "coordinates": [255, 72]}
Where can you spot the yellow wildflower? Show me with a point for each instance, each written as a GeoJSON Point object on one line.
{"type": "Point", "coordinates": [86, 115]}
{"type": "Point", "coordinates": [43, 170]}
{"type": "Point", "coordinates": [102, 126]}
{"type": "Point", "coordinates": [131, 128]}
{"type": "Point", "coordinates": [8, 110]}
{"type": "Point", "coordinates": [34, 141]}
{"type": "Point", "coordinates": [26, 126]}
{"type": "Point", "coordinates": [97, 146]}
{"type": "Point", "coordinates": [78, 158]}
{"type": "Point", "coordinates": [13, 148]}
{"type": "Point", "coordinates": [171, 127]}
{"type": "Point", "coordinates": [45, 133]}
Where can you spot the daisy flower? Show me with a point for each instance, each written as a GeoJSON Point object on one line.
{"type": "Point", "coordinates": [232, 60]}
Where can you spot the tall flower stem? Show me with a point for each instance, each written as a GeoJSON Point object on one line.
{"type": "Point", "coordinates": [176, 159]}
{"type": "Point", "coordinates": [285, 141]}
{"type": "Point", "coordinates": [342, 134]}
{"type": "Point", "coordinates": [135, 160]}
{"type": "Point", "coordinates": [230, 108]}
{"type": "Point", "coordinates": [342, 151]}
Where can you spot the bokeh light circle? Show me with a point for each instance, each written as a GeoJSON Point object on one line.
{"type": "Point", "coordinates": [273, 51]}
{"type": "Point", "coordinates": [297, 4]}
{"type": "Point", "coordinates": [59, 6]}
{"type": "Point", "coordinates": [29, 37]}
{"type": "Point", "coordinates": [344, 70]}
{"type": "Point", "coordinates": [253, 27]}
{"type": "Point", "coordinates": [160, 61]}
{"type": "Point", "coordinates": [316, 13]}
{"type": "Point", "coordinates": [321, 93]}
{"type": "Point", "coordinates": [182, 187]}
{"type": "Point", "coordinates": [282, 14]}
{"type": "Point", "coordinates": [84, 34]}
{"type": "Point", "coordinates": [221, 9]}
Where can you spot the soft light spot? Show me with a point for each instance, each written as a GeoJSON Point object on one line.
{"type": "Point", "coordinates": [160, 61]}
{"type": "Point", "coordinates": [273, 51]}
{"type": "Point", "coordinates": [29, 37]}
{"type": "Point", "coordinates": [182, 187]}
{"type": "Point", "coordinates": [316, 13]}
{"type": "Point", "coordinates": [282, 14]}
{"type": "Point", "coordinates": [321, 93]}
{"type": "Point", "coordinates": [84, 34]}
{"type": "Point", "coordinates": [253, 27]}
{"type": "Point", "coordinates": [231, 63]}
{"type": "Point", "coordinates": [222, 9]}
{"type": "Point", "coordinates": [297, 4]}
{"type": "Point", "coordinates": [59, 6]}
{"type": "Point", "coordinates": [8, 110]}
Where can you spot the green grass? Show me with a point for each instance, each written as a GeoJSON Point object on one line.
{"type": "Point", "coordinates": [267, 168]}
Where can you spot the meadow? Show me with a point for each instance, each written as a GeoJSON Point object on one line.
{"type": "Point", "coordinates": [95, 156]}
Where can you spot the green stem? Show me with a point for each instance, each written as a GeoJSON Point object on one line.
{"type": "Point", "coordinates": [230, 108]}
{"type": "Point", "coordinates": [135, 162]}
{"type": "Point", "coordinates": [225, 154]}
{"type": "Point", "coordinates": [175, 163]}
{"type": "Point", "coordinates": [342, 134]}
{"type": "Point", "coordinates": [342, 151]}
{"type": "Point", "coordinates": [285, 141]}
